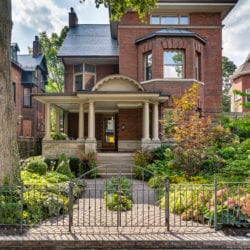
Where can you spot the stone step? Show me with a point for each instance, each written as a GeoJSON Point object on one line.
{"type": "Point", "coordinates": [113, 164]}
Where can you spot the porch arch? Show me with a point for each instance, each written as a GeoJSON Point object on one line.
{"type": "Point", "coordinates": [118, 83]}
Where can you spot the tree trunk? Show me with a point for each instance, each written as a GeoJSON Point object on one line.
{"type": "Point", "coordinates": [9, 167]}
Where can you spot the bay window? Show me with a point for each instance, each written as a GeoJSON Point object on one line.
{"type": "Point", "coordinates": [173, 64]}
{"type": "Point", "coordinates": [148, 66]}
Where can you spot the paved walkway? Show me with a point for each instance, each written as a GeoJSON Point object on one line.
{"type": "Point", "coordinates": [142, 228]}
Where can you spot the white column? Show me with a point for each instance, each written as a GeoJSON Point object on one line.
{"type": "Point", "coordinates": [47, 122]}
{"type": "Point", "coordinates": [145, 125]}
{"type": "Point", "coordinates": [91, 121]}
{"type": "Point", "coordinates": [65, 122]}
{"type": "Point", "coordinates": [57, 120]}
{"type": "Point", "coordinates": [81, 122]}
{"type": "Point", "coordinates": [156, 123]}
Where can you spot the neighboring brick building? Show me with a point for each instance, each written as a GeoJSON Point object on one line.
{"type": "Point", "coordinates": [120, 77]}
{"type": "Point", "coordinates": [29, 76]}
{"type": "Point", "coordinates": [241, 82]}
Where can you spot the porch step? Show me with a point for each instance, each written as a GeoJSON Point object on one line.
{"type": "Point", "coordinates": [113, 164]}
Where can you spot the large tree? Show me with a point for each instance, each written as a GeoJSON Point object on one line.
{"type": "Point", "coordinates": [8, 141]}
{"type": "Point", "coordinates": [228, 68]}
{"type": "Point", "coordinates": [50, 46]}
{"type": "Point", "coordinates": [120, 7]}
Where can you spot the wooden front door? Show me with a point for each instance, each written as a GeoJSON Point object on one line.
{"type": "Point", "coordinates": [109, 136]}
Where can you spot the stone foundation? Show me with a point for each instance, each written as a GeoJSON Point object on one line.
{"type": "Point", "coordinates": [54, 148]}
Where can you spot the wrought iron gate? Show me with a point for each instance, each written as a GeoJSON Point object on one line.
{"type": "Point", "coordinates": [113, 198]}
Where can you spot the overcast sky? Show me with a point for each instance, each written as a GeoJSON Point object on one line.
{"type": "Point", "coordinates": [33, 16]}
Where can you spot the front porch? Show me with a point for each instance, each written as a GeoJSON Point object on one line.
{"type": "Point", "coordinates": [117, 115]}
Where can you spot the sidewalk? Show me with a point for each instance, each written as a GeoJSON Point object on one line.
{"type": "Point", "coordinates": [181, 238]}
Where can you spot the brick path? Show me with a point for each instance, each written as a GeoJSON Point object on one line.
{"type": "Point", "coordinates": [94, 228]}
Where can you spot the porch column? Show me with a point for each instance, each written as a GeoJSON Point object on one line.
{"type": "Point", "coordinates": [91, 121]}
{"type": "Point", "coordinates": [47, 122]}
{"type": "Point", "coordinates": [57, 120]}
{"type": "Point", "coordinates": [145, 125]}
{"type": "Point", "coordinates": [65, 122]}
{"type": "Point", "coordinates": [90, 143]}
{"type": "Point", "coordinates": [156, 123]}
{"type": "Point", "coordinates": [81, 122]}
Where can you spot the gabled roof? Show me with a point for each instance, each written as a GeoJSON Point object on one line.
{"type": "Point", "coordinates": [29, 63]}
{"type": "Point", "coordinates": [89, 40]}
{"type": "Point", "coordinates": [244, 69]}
{"type": "Point", "coordinates": [171, 33]}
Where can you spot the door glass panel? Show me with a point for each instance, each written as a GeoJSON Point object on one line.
{"type": "Point", "coordinates": [110, 130]}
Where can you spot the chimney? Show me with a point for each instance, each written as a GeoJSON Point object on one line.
{"type": "Point", "coordinates": [37, 50]}
{"type": "Point", "coordinates": [73, 19]}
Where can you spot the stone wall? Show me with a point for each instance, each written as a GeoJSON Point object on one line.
{"type": "Point", "coordinates": [53, 149]}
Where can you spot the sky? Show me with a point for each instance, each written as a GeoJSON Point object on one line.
{"type": "Point", "coordinates": [33, 16]}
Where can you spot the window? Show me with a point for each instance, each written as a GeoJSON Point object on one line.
{"type": "Point", "coordinates": [198, 66]}
{"type": "Point", "coordinates": [248, 95]}
{"type": "Point", "coordinates": [174, 64]}
{"type": "Point", "coordinates": [155, 20]}
{"type": "Point", "coordinates": [84, 76]}
{"type": "Point", "coordinates": [27, 97]}
{"type": "Point", "coordinates": [148, 66]}
{"type": "Point", "coordinates": [170, 19]}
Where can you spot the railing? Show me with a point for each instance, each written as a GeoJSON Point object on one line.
{"type": "Point", "coordinates": [216, 204]}
{"type": "Point", "coordinates": [183, 205]}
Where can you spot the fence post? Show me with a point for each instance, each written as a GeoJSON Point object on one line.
{"type": "Point", "coordinates": [167, 190]}
{"type": "Point", "coordinates": [71, 201]}
{"type": "Point", "coordinates": [21, 208]}
{"type": "Point", "coordinates": [215, 204]}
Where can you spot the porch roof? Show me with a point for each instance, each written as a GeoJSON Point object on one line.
{"type": "Point", "coordinates": [105, 100]}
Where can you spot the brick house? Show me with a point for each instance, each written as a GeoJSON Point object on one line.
{"type": "Point", "coordinates": [29, 76]}
{"type": "Point", "coordinates": [120, 77]}
{"type": "Point", "coordinates": [241, 82]}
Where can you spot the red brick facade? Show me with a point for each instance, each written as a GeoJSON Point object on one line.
{"type": "Point", "coordinates": [206, 25]}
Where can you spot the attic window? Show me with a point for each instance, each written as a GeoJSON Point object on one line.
{"type": "Point", "coordinates": [169, 19]}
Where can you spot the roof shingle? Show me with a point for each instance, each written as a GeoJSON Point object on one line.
{"type": "Point", "coordinates": [89, 40]}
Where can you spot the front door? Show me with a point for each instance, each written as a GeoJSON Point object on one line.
{"type": "Point", "coordinates": [109, 137]}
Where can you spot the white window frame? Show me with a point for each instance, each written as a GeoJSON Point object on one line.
{"type": "Point", "coordinates": [147, 66]}
{"type": "Point", "coordinates": [162, 16]}
{"type": "Point", "coordinates": [167, 64]}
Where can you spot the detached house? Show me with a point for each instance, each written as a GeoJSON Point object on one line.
{"type": "Point", "coordinates": [241, 82]}
{"type": "Point", "coordinates": [29, 76]}
{"type": "Point", "coordinates": [120, 77]}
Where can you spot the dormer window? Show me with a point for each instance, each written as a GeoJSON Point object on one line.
{"type": "Point", "coordinates": [169, 19]}
{"type": "Point", "coordinates": [84, 76]}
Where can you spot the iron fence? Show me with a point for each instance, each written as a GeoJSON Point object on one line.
{"type": "Point", "coordinates": [171, 205]}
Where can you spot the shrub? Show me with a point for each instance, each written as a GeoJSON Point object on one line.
{"type": "Point", "coordinates": [228, 152]}
{"type": "Point", "coordinates": [37, 166]}
{"type": "Point", "coordinates": [142, 159]}
{"type": "Point", "coordinates": [246, 144]}
{"type": "Point", "coordinates": [118, 194]}
{"type": "Point", "coordinates": [63, 166]}
{"type": "Point", "coordinates": [58, 136]}
{"type": "Point", "coordinates": [75, 166]}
